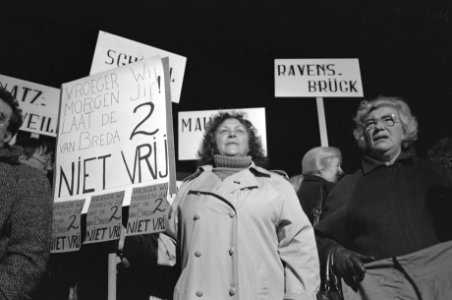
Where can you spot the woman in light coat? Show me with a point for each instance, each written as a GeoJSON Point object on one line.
{"type": "Point", "coordinates": [241, 230]}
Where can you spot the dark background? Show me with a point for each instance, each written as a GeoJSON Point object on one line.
{"type": "Point", "coordinates": [404, 49]}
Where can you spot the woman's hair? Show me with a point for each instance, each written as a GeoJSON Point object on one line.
{"type": "Point", "coordinates": [409, 122]}
{"type": "Point", "coordinates": [32, 145]}
{"type": "Point", "coordinates": [318, 159]}
{"type": "Point", "coordinates": [209, 148]}
{"type": "Point", "coordinates": [15, 121]}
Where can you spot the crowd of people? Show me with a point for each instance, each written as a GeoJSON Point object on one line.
{"type": "Point", "coordinates": [237, 230]}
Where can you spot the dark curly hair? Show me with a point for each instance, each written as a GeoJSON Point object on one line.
{"type": "Point", "coordinates": [209, 148]}
{"type": "Point", "coordinates": [15, 121]}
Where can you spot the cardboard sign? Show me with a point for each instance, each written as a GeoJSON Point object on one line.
{"type": "Point", "coordinates": [147, 210]}
{"type": "Point", "coordinates": [66, 233]}
{"type": "Point", "coordinates": [113, 132]}
{"type": "Point", "coordinates": [104, 218]}
{"type": "Point", "coordinates": [192, 126]}
{"type": "Point", "coordinates": [317, 78]}
{"type": "Point", "coordinates": [39, 104]}
{"type": "Point", "coordinates": [113, 51]}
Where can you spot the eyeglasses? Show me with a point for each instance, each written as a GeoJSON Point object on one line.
{"type": "Point", "coordinates": [4, 118]}
{"type": "Point", "coordinates": [387, 120]}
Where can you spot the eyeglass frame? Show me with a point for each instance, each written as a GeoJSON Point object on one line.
{"type": "Point", "coordinates": [5, 121]}
{"type": "Point", "coordinates": [391, 123]}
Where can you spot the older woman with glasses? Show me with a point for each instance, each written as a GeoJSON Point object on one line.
{"type": "Point", "coordinates": [390, 238]}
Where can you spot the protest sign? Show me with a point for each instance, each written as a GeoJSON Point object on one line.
{"type": "Point", "coordinates": [113, 133]}
{"type": "Point", "coordinates": [113, 51]}
{"type": "Point", "coordinates": [147, 210]}
{"type": "Point", "coordinates": [39, 104]}
{"type": "Point", "coordinates": [192, 125]}
{"type": "Point", "coordinates": [104, 218]}
{"type": "Point", "coordinates": [318, 78]}
{"type": "Point", "coordinates": [66, 229]}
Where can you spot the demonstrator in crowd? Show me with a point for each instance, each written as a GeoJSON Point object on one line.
{"type": "Point", "coordinates": [321, 168]}
{"type": "Point", "coordinates": [242, 232]}
{"type": "Point", "coordinates": [389, 238]}
{"type": "Point", "coordinates": [25, 212]}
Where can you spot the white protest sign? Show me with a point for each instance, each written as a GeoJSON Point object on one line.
{"type": "Point", "coordinates": [66, 229]}
{"type": "Point", "coordinates": [318, 78]}
{"type": "Point", "coordinates": [104, 218]}
{"type": "Point", "coordinates": [191, 127]}
{"type": "Point", "coordinates": [113, 132]}
{"type": "Point", "coordinates": [147, 210]}
{"type": "Point", "coordinates": [113, 51]}
{"type": "Point", "coordinates": [39, 104]}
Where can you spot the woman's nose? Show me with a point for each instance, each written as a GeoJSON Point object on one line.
{"type": "Point", "coordinates": [379, 124]}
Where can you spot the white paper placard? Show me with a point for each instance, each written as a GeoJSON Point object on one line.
{"type": "Point", "coordinates": [113, 132]}
{"type": "Point", "coordinates": [113, 51]}
{"type": "Point", "coordinates": [39, 104]}
{"type": "Point", "coordinates": [318, 78]}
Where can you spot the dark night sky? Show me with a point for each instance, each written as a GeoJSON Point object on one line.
{"type": "Point", "coordinates": [404, 48]}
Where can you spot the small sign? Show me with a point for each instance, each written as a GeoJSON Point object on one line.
{"type": "Point", "coordinates": [66, 226]}
{"type": "Point", "coordinates": [318, 78]}
{"type": "Point", "coordinates": [104, 217]}
{"type": "Point", "coordinates": [148, 209]}
{"type": "Point", "coordinates": [39, 104]}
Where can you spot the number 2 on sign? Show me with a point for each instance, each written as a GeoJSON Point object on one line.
{"type": "Point", "coordinates": [113, 216]}
{"type": "Point", "coordinates": [135, 131]}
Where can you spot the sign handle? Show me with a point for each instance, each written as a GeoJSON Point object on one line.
{"type": "Point", "coordinates": [112, 276]}
{"type": "Point", "coordinates": [322, 122]}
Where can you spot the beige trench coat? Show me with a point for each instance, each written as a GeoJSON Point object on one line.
{"type": "Point", "coordinates": [243, 238]}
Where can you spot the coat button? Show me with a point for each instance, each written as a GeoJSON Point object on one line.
{"type": "Point", "coordinates": [232, 291]}
{"type": "Point", "coordinates": [198, 254]}
{"type": "Point", "coordinates": [199, 293]}
{"type": "Point", "coordinates": [196, 217]}
{"type": "Point", "coordinates": [231, 214]}
{"type": "Point", "coordinates": [231, 251]}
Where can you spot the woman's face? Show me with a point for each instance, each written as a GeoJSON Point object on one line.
{"type": "Point", "coordinates": [232, 138]}
{"type": "Point", "coordinates": [384, 133]}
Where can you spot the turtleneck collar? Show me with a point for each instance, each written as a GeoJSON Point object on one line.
{"type": "Point", "coordinates": [222, 161]}
{"type": "Point", "coordinates": [224, 166]}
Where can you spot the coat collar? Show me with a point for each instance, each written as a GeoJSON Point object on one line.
{"type": "Point", "coordinates": [244, 179]}
{"type": "Point", "coordinates": [369, 163]}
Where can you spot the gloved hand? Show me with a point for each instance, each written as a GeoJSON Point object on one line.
{"type": "Point", "coordinates": [350, 265]}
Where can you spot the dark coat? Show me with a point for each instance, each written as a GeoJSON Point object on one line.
{"type": "Point", "coordinates": [311, 190]}
{"type": "Point", "coordinates": [387, 211]}
{"type": "Point", "coordinates": [25, 228]}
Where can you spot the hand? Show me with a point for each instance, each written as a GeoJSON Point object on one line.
{"type": "Point", "coordinates": [350, 266]}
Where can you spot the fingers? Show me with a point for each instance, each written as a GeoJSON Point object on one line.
{"type": "Point", "coordinates": [358, 266]}
{"type": "Point", "coordinates": [365, 258]}
{"type": "Point", "coordinates": [354, 271]}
